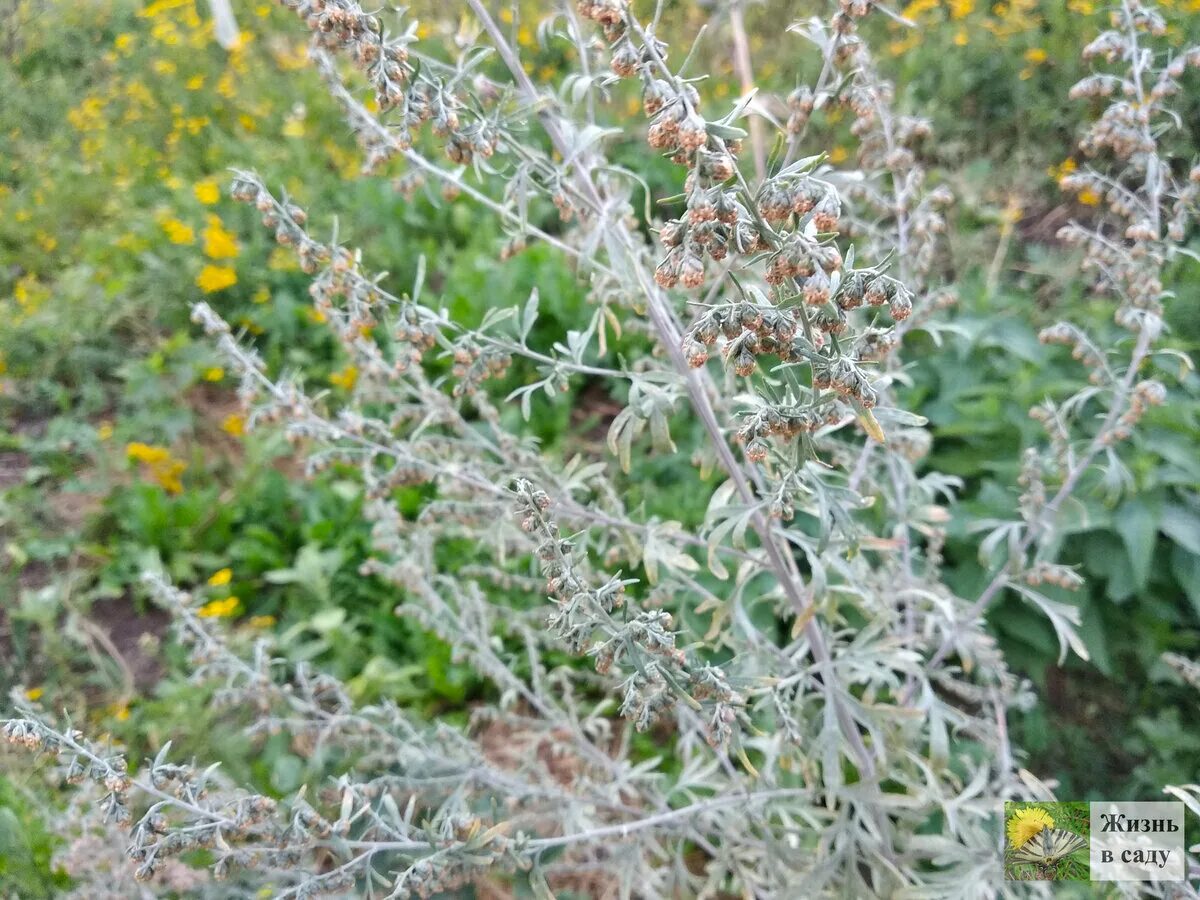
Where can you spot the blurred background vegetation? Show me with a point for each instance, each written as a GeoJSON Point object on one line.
{"type": "Point", "coordinates": [122, 445]}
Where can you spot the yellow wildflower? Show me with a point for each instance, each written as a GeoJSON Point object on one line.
{"type": "Point", "coordinates": [220, 577]}
{"type": "Point", "coordinates": [234, 425]}
{"type": "Point", "coordinates": [147, 453]}
{"type": "Point", "coordinates": [1062, 170]}
{"type": "Point", "coordinates": [262, 295]}
{"type": "Point", "coordinates": [160, 465]}
{"type": "Point", "coordinates": [27, 292]}
{"type": "Point", "coordinates": [123, 42]}
{"type": "Point", "coordinates": [207, 191]}
{"type": "Point", "coordinates": [178, 232]}
{"type": "Point", "coordinates": [35, 694]}
{"type": "Point", "coordinates": [219, 609]}
{"type": "Point", "coordinates": [88, 115]}
{"type": "Point", "coordinates": [105, 431]}
{"type": "Point", "coordinates": [918, 8]}
{"type": "Point", "coordinates": [119, 711]}
{"type": "Point", "coordinates": [163, 67]}
{"type": "Point", "coordinates": [219, 243]}
{"type": "Point", "coordinates": [1025, 823]}
{"type": "Point", "coordinates": [215, 278]}
{"type": "Point", "coordinates": [1035, 55]}
{"type": "Point", "coordinates": [158, 7]}
{"type": "Point", "coordinates": [216, 373]}
{"type": "Point", "coordinates": [1088, 197]}
{"type": "Point", "coordinates": [346, 378]}
{"type": "Point", "coordinates": [169, 476]}
{"type": "Point", "coordinates": [195, 83]}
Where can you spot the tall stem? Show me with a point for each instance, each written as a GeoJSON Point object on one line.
{"type": "Point", "coordinates": [783, 564]}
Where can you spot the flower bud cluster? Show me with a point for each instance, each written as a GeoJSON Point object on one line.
{"type": "Point", "coordinates": [793, 217]}
{"type": "Point", "coordinates": [437, 875]}
{"type": "Point", "coordinates": [889, 143]}
{"type": "Point", "coordinates": [1145, 394]}
{"type": "Point", "coordinates": [873, 289]}
{"type": "Point", "coordinates": [83, 762]}
{"type": "Point", "coordinates": [1082, 349]}
{"type": "Point", "coordinates": [716, 220]}
{"type": "Point", "coordinates": [473, 364]}
{"type": "Point", "coordinates": [1148, 207]}
{"type": "Point", "coordinates": [847, 380]}
{"type": "Point", "coordinates": [1033, 486]}
{"type": "Point", "coordinates": [415, 93]}
{"type": "Point", "coordinates": [772, 421]}
{"type": "Point", "coordinates": [350, 301]}
{"type": "Point", "coordinates": [1043, 572]}
{"type": "Point", "coordinates": [785, 197]}
{"type": "Point", "coordinates": [748, 328]}
{"type": "Point", "coordinates": [642, 642]}
{"type": "Point", "coordinates": [1046, 414]}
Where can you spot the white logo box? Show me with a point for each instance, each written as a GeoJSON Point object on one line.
{"type": "Point", "coordinates": [1137, 841]}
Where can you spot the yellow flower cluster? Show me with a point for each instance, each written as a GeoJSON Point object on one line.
{"type": "Point", "coordinates": [177, 232]}
{"type": "Point", "coordinates": [159, 464]}
{"type": "Point", "coordinates": [219, 243]}
{"type": "Point", "coordinates": [219, 609]}
{"type": "Point", "coordinates": [234, 425]}
{"type": "Point", "coordinates": [220, 578]}
{"type": "Point", "coordinates": [222, 607]}
{"type": "Point", "coordinates": [346, 378]}
{"type": "Point", "coordinates": [1087, 196]}
{"type": "Point", "coordinates": [207, 191]}
{"type": "Point", "coordinates": [215, 278]}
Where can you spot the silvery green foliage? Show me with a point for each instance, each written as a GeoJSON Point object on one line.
{"type": "Point", "coordinates": [1148, 198]}
{"type": "Point", "coordinates": [858, 749]}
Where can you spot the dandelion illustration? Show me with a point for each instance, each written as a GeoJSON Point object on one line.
{"type": "Point", "coordinates": [1025, 823]}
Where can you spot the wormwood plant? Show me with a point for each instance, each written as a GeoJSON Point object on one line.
{"type": "Point", "coordinates": [828, 716]}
